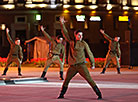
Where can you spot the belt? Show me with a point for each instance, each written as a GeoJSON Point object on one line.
{"type": "Point", "coordinates": [55, 54]}
{"type": "Point", "coordinates": [14, 54]}
{"type": "Point", "coordinates": [113, 52]}
{"type": "Point", "coordinates": [77, 64]}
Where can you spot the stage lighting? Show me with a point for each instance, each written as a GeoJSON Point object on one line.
{"type": "Point", "coordinates": [95, 18]}
{"type": "Point", "coordinates": [109, 7]}
{"type": "Point", "coordinates": [123, 18]}
{"type": "Point", "coordinates": [38, 17]}
{"type": "Point", "coordinates": [80, 18]}
{"type": "Point", "coordinates": [2, 26]}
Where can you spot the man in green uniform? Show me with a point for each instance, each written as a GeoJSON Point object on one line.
{"type": "Point", "coordinates": [57, 48]}
{"type": "Point", "coordinates": [76, 60]}
{"type": "Point", "coordinates": [15, 54]}
{"type": "Point", "coordinates": [114, 52]}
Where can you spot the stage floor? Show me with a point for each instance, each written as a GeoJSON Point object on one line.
{"type": "Point", "coordinates": [114, 87]}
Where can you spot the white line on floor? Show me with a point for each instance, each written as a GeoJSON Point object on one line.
{"type": "Point", "coordinates": [81, 85]}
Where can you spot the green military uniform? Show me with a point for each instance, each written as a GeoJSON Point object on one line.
{"type": "Point", "coordinates": [56, 50]}
{"type": "Point", "coordinates": [15, 55]}
{"type": "Point", "coordinates": [113, 54]}
{"type": "Point", "coordinates": [76, 60]}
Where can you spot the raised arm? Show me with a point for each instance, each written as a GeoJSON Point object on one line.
{"type": "Point", "coordinates": [46, 34]}
{"type": "Point", "coordinates": [105, 35]}
{"type": "Point", "coordinates": [63, 29]}
{"type": "Point", "coordinates": [9, 37]}
{"type": "Point", "coordinates": [90, 54]}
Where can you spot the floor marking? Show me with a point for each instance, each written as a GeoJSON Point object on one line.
{"type": "Point", "coordinates": [80, 85]}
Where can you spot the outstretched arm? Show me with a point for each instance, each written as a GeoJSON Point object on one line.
{"type": "Point", "coordinates": [9, 37]}
{"type": "Point", "coordinates": [46, 34]}
{"type": "Point", "coordinates": [63, 29]}
{"type": "Point", "coordinates": [105, 35]}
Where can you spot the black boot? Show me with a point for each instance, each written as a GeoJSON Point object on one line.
{"type": "Point", "coordinates": [5, 71]}
{"type": "Point", "coordinates": [61, 75]}
{"type": "Point", "coordinates": [118, 70]}
{"type": "Point", "coordinates": [103, 71]}
{"type": "Point", "coordinates": [97, 91]}
{"type": "Point", "coordinates": [19, 72]}
{"type": "Point", "coordinates": [43, 75]}
{"type": "Point", "coordinates": [63, 91]}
